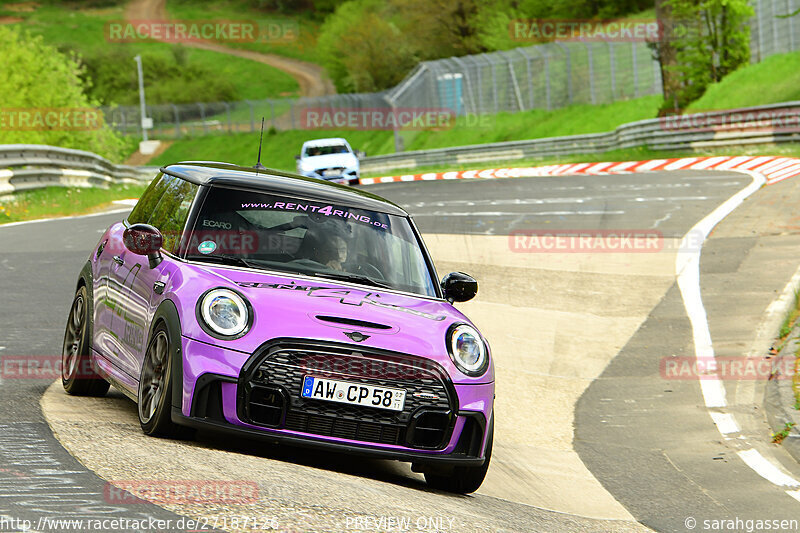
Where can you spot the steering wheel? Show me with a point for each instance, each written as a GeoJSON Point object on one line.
{"type": "Point", "coordinates": [369, 270]}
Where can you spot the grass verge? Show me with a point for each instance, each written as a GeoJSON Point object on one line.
{"type": "Point", "coordinates": [291, 35]}
{"type": "Point", "coordinates": [278, 150]}
{"type": "Point", "coordinates": [784, 333]}
{"type": "Point", "coordinates": [280, 147]}
{"type": "Point", "coordinates": [63, 201]}
{"type": "Point", "coordinates": [788, 323]}
{"type": "Point", "coordinates": [537, 124]}
{"type": "Point", "coordinates": [83, 30]}
{"type": "Point", "coordinates": [779, 436]}
{"type": "Point", "coordinates": [775, 79]}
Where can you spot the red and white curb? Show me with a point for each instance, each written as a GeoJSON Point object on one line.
{"type": "Point", "coordinates": [773, 168]}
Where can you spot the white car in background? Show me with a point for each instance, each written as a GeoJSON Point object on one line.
{"type": "Point", "coordinates": [329, 159]}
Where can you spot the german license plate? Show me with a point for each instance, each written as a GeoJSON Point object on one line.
{"type": "Point", "coordinates": [333, 390]}
{"type": "Point", "coordinates": [331, 173]}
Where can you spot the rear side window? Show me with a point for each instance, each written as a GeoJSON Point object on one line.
{"type": "Point", "coordinates": [170, 213]}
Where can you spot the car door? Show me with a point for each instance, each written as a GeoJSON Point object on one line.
{"type": "Point", "coordinates": [143, 287]}
{"type": "Point", "coordinates": [126, 329]}
{"type": "Point", "coordinates": [105, 298]}
{"type": "Point", "coordinates": [113, 327]}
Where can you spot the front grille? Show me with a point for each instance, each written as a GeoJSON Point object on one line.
{"type": "Point", "coordinates": [331, 426]}
{"type": "Point", "coordinates": [426, 383]}
{"type": "Point", "coordinates": [338, 170]}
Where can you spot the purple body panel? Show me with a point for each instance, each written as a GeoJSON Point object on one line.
{"type": "Point", "coordinates": [284, 306]}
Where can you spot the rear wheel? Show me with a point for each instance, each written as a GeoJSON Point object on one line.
{"type": "Point", "coordinates": [77, 375]}
{"type": "Point", "coordinates": [463, 479]}
{"type": "Point", "coordinates": [155, 388]}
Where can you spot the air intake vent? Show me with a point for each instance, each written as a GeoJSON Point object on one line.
{"type": "Point", "coordinates": [352, 322]}
{"type": "Point", "coordinates": [428, 429]}
{"type": "Point", "coordinates": [266, 405]}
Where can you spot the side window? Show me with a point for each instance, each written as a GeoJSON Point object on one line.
{"type": "Point", "coordinates": [144, 207]}
{"type": "Point", "coordinates": [172, 210]}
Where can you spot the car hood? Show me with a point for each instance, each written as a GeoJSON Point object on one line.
{"type": "Point", "coordinates": [328, 161]}
{"type": "Point", "coordinates": [318, 309]}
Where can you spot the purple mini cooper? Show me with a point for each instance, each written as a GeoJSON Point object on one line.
{"type": "Point", "coordinates": [278, 307]}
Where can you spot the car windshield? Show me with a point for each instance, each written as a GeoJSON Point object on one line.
{"type": "Point", "coordinates": [312, 151]}
{"type": "Point", "coordinates": [312, 238]}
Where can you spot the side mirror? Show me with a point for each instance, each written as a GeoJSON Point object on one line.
{"type": "Point", "coordinates": [144, 239]}
{"type": "Point", "coordinates": [297, 158]}
{"type": "Point", "coordinates": [459, 287]}
{"type": "Point", "coordinates": [360, 154]}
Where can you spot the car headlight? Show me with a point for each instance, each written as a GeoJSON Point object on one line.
{"type": "Point", "coordinates": [224, 313]}
{"type": "Point", "coordinates": [467, 350]}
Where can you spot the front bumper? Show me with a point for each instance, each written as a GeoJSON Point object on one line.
{"type": "Point", "coordinates": [308, 441]}
{"type": "Point", "coordinates": [220, 398]}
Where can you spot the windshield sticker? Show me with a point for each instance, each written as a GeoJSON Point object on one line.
{"type": "Point", "coordinates": [345, 296]}
{"type": "Point", "coordinates": [216, 224]}
{"type": "Point", "coordinates": [327, 210]}
{"type": "Point", "coordinates": [207, 247]}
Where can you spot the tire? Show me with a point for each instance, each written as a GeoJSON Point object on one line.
{"type": "Point", "coordinates": [77, 375]}
{"type": "Point", "coordinates": [463, 479]}
{"type": "Point", "coordinates": [153, 402]}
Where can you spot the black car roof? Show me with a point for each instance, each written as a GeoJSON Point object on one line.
{"type": "Point", "coordinates": [213, 174]}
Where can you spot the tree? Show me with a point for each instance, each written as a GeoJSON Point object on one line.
{"type": "Point", "coordinates": [36, 79]}
{"type": "Point", "coordinates": [372, 44]}
{"type": "Point", "coordinates": [170, 78]}
{"type": "Point", "coordinates": [362, 49]}
{"type": "Point", "coordinates": [667, 56]}
{"type": "Point", "coordinates": [703, 41]}
{"type": "Point", "coordinates": [445, 27]}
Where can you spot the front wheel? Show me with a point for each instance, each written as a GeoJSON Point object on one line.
{"type": "Point", "coordinates": [154, 400]}
{"type": "Point", "coordinates": [77, 375]}
{"type": "Point", "coordinates": [463, 479]}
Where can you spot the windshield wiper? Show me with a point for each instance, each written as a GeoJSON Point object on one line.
{"type": "Point", "coordinates": [355, 278]}
{"type": "Point", "coordinates": [229, 259]}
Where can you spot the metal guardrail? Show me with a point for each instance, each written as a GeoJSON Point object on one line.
{"type": "Point", "coordinates": [35, 166]}
{"type": "Point", "coordinates": [25, 166]}
{"type": "Point", "coordinates": [776, 123]}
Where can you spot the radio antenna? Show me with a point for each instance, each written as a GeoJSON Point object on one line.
{"type": "Point", "coordinates": [259, 166]}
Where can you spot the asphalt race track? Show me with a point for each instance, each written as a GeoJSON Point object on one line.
{"type": "Point", "coordinates": [590, 436]}
{"type": "Point", "coordinates": [40, 480]}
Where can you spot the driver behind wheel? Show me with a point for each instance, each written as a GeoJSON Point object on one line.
{"type": "Point", "coordinates": [325, 247]}
{"type": "Point", "coordinates": [331, 252]}
{"type": "Point", "coordinates": [337, 251]}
